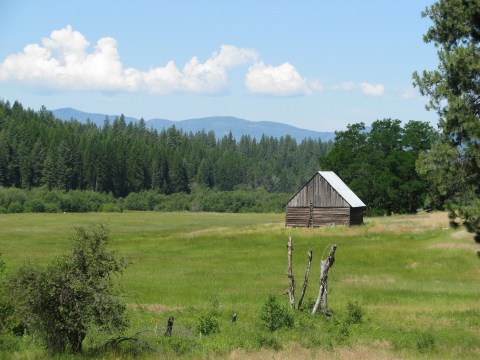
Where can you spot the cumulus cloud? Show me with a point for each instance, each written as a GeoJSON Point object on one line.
{"type": "Point", "coordinates": [282, 80]}
{"type": "Point", "coordinates": [63, 61]}
{"type": "Point", "coordinates": [364, 87]}
{"type": "Point", "coordinates": [67, 61]}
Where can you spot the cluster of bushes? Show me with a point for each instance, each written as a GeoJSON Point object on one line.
{"type": "Point", "coordinates": [15, 200]}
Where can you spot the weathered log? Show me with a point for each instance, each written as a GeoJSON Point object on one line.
{"type": "Point", "coordinates": [291, 280]}
{"type": "Point", "coordinates": [325, 265]}
{"type": "Point", "coordinates": [305, 281]}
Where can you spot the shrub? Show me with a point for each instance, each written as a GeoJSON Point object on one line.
{"type": "Point", "coordinates": [3, 210]}
{"type": "Point", "coordinates": [110, 207]}
{"type": "Point", "coordinates": [354, 312]}
{"type": "Point", "coordinates": [34, 205]}
{"type": "Point", "coordinates": [12, 195]}
{"type": "Point", "coordinates": [274, 316]}
{"type": "Point", "coordinates": [15, 207]}
{"type": "Point", "coordinates": [207, 323]}
{"type": "Point", "coordinates": [64, 300]}
{"type": "Point", "coordinates": [135, 201]}
{"type": "Point", "coordinates": [51, 208]}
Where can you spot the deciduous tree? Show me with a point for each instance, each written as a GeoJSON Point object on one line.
{"type": "Point", "coordinates": [63, 301]}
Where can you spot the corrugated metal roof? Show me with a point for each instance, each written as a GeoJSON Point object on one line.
{"type": "Point", "coordinates": [342, 189]}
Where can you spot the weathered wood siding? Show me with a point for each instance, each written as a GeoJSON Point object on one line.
{"type": "Point", "coordinates": [297, 216]}
{"type": "Point", "coordinates": [319, 192]}
{"type": "Point", "coordinates": [331, 216]}
{"type": "Point", "coordinates": [300, 216]}
{"type": "Point", "coordinates": [329, 208]}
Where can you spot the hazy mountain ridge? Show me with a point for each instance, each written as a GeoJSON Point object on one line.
{"type": "Point", "coordinates": [222, 125]}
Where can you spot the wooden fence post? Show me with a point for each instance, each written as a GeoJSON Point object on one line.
{"type": "Point", "coordinates": [325, 265]}
{"type": "Point", "coordinates": [291, 280]}
{"type": "Point", "coordinates": [305, 281]}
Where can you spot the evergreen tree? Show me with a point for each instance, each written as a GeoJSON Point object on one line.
{"type": "Point", "coordinates": [454, 93]}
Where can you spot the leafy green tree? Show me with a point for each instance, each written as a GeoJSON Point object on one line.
{"type": "Point", "coordinates": [63, 301]}
{"type": "Point", "coordinates": [453, 90]}
{"type": "Point", "coordinates": [379, 165]}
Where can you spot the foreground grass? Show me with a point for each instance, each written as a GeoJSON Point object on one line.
{"type": "Point", "coordinates": [416, 281]}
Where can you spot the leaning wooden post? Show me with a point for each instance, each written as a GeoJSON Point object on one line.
{"type": "Point", "coordinates": [168, 332]}
{"type": "Point", "coordinates": [291, 280]}
{"type": "Point", "coordinates": [305, 281]}
{"type": "Point", "coordinates": [322, 293]}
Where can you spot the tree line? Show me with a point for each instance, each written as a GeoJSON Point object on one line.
{"type": "Point", "coordinates": [38, 150]}
{"type": "Point", "coordinates": [49, 165]}
{"type": "Point", "coordinates": [380, 164]}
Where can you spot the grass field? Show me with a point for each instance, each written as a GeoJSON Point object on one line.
{"type": "Point", "coordinates": [416, 280]}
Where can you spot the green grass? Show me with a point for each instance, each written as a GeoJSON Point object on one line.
{"type": "Point", "coordinates": [417, 281]}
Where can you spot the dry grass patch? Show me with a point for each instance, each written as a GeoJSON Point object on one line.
{"type": "Point", "coordinates": [380, 351]}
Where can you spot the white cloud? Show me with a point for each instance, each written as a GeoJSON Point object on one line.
{"type": "Point", "coordinates": [282, 80]}
{"type": "Point", "coordinates": [410, 93]}
{"type": "Point", "coordinates": [62, 61]}
{"type": "Point", "coordinates": [372, 89]}
{"type": "Point", "coordinates": [364, 87]}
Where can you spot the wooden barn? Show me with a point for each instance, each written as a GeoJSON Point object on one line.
{"type": "Point", "coordinates": [324, 200]}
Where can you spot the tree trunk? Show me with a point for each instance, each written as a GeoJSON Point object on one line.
{"type": "Point", "coordinates": [76, 340]}
{"type": "Point", "coordinates": [291, 280]}
{"type": "Point", "coordinates": [305, 281]}
{"type": "Point", "coordinates": [322, 293]}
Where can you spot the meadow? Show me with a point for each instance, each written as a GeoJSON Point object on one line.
{"type": "Point", "coordinates": [414, 281]}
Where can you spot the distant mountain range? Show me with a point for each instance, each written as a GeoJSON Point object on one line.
{"type": "Point", "coordinates": [222, 125]}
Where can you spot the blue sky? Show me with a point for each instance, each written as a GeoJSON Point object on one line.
{"type": "Point", "coordinates": [317, 65]}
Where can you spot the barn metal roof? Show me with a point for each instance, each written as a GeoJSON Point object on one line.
{"type": "Point", "coordinates": [342, 189]}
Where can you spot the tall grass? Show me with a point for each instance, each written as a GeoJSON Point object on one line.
{"type": "Point", "coordinates": [414, 280]}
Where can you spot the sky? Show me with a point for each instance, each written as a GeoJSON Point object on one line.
{"type": "Point", "coordinates": [317, 65]}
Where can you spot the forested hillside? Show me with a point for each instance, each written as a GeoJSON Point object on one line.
{"type": "Point", "coordinates": [37, 149]}
{"type": "Point", "coordinates": [120, 160]}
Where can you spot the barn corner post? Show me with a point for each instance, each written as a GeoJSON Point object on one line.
{"type": "Point", "coordinates": [325, 265]}
{"type": "Point", "coordinates": [291, 280]}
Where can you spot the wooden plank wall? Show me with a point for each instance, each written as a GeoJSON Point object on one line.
{"type": "Point", "coordinates": [320, 192]}
{"type": "Point", "coordinates": [331, 216]}
{"type": "Point", "coordinates": [326, 195]}
{"type": "Point", "coordinates": [299, 216]}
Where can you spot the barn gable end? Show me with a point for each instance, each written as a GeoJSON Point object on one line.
{"type": "Point", "coordinates": [324, 199]}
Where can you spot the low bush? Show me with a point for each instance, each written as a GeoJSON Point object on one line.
{"type": "Point", "coordinates": [51, 208]}
{"type": "Point", "coordinates": [110, 207]}
{"type": "Point", "coordinates": [15, 207]}
{"type": "Point", "coordinates": [354, 312]}
{"type": "Point", "coordinates": [275, 316]}
{"type": "Point", "coordinates": [207, 323]}
{"type": "Point", "coordinates": [34, 205]}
